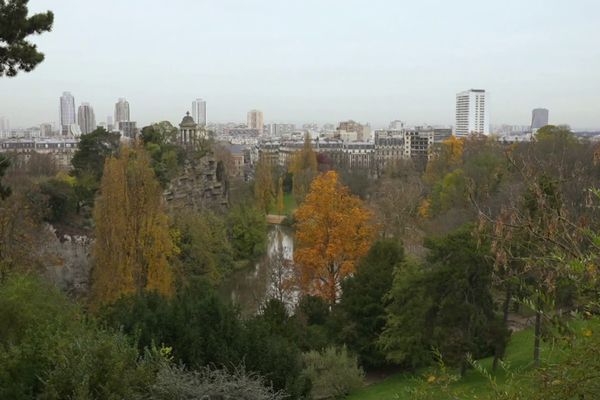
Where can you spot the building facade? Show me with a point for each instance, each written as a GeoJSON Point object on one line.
{"type": "Point", "coordinates": [255, 120]}
{"type": "Point", "coordinates": [128, 129]}
{"type": "Point", "coordinates": [199, 112]}
{"type": "Point", "coordinates": [67, 112]}
{"type": "Point", "coordinates": [352, 131]}
{"type": "Point", "coordinates": [280, 129]}
{"type": "Point", "coordinates": [45, 130]}
{"type": "Point", "coordinates": [472, 113]}
{"type": "Point", "coordinates": [62, 149]}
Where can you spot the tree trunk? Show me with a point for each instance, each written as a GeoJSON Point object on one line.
{"type": "Point", "coordinates": [499, 353]}
{"type": "Point", "coordinates": [538, 335]}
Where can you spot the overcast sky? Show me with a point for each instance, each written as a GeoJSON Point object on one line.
{"type": "Point", "coordinates": [315, 60]}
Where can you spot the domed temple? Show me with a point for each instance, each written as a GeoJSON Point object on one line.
{"type": "Point", "coordinates": [189, 132]}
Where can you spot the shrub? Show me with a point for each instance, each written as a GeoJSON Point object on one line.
{"type": "Point", "coordinates": [333, 373]}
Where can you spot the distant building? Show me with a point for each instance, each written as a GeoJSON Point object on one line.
{"type": "Point", "coordinates": [128, 129]}
{"type": "Point", "coordinates": [241, 131]}
{"type": "Point", "coordinates": [110, 126]}
{"type": "Point", "coordinates": [255, 120]}
{"type": "Point", "coordinates": [280, 129]}
{"type": "Point", "coordinates": [62, 149]}
{"type": "Point", "coordinates": [418, 143]}
{"type": "Point", "coordinates": [389, 148]}
{"type": "Point", "coordinates": [472, 113]}
{"type": "Point", "coordinates": [86, 118]}
{"type": "Point", "coordinates": [4, 127]}
{"type": "Point", "coordinates": [72, 130]}
{"type": "Point", "coordinates": [121, 112]}
{"type": "Point", "coordinates": [67, 111]}
{"type": "Point", "coordinates": [539, 118]}
{"type": "Point", "coordinates": [351, 130]}
{"type": "Point", "coordinates": [199, 112]}
{"type": "Point", "coordinates": [396, 125]}
{"type": "Point", "coordinates": [359, 155]}
{"type": "Point", "coordinates": [45, 130]}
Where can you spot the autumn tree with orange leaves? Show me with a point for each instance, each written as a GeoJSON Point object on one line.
{"type": "Point", "coordinates": [133, 241]}
{"type": "Point", "coordinates": [333, 231]}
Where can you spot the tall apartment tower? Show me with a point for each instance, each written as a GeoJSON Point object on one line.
{"type": "Point", "coordinates": [472, 113]}
{"type": "Point", "coordinates": [539, 118]}
{"type": "Point", "coordinates": [86, 118]}
{"type": "Point", "coordinates": [199, 112]}
{"type": "Point", "coordinates": [67, 112]}
{"type": "Point", "coordinates": [121, 111]}
{"type": "Point", "coordinates": [255, 120]}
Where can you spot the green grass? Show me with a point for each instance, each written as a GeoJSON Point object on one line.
{"type": "Point", "coordinates": [519, 358]}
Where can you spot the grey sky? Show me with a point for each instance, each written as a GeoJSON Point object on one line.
{"type": "Point", "coordinates": [315, 60]}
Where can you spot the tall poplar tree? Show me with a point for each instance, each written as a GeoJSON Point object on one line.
{"type": "Point", "coordinates": [263, 186]}
{"type": "Point", "coordinates": [304, 168]}
{"type": "Point", "coordinates": [133, 241]}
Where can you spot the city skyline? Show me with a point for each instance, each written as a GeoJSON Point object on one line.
{"type": "Point", "coordinates": [387, 69]}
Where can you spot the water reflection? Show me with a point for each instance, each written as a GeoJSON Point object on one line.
{"type": "Point", "coordinates": [271, 276]}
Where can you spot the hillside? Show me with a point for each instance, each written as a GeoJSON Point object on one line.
{"type": "Point", "coordinates": [519, 358]}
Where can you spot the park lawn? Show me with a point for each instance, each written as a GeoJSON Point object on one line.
{"type": "Point", "coordinates": [519, 357]}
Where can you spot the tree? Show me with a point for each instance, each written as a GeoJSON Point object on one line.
{"type": "Point", "coordinates": [133, 241]}
{"type": "Point", "coordinates": [4, 164]}
{"type": "Point", "coordinates": [88, 162]}
{"type": "Point", "coordinates": [281, 271]}
{"type": "Point", "coordinates": [160, 141]}
{"type": "Point", "coordinates": [247, 230]}
{"type": "Point", "coordinates": [16, 53]}
{"type": "Point", "coordinates": [21, 232]}
{"type": "Point", "coordinates": [303, 168]}
{"type": "Point", "coordinates": [446, 304]}
{"type": "Point", "coordinates": [333, 232]}
{"type": "Point", "coordinates": [396, 201]}
{"type": "Point", "coordinates": [205, 250]}
{"type": "Point", "coordinates": [94, 148]}
{"type": "Point", "coordinates": [363, 301]}
{"type": "Point", "coordinates": [263, 186]}
{"type": "Point", "coordinates": [541, 231]}
{"type": "Point", "coordinates": [61, 198]}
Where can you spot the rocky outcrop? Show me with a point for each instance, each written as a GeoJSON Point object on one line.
{"type": "Point", "coordinates": [199, 185]}
{"type": "Point", "coordinates": [69, 261]}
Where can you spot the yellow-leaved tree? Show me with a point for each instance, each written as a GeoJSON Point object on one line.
{"type": "Point", "coordinates": [333, 231]}
{"type": "Point", "coordinates": [133, 241]}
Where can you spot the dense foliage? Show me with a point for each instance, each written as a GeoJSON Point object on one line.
{"type": "Point", "coordinates": [16, 53]}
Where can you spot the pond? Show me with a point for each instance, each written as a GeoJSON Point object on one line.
{"type": "Point", "coordinates": [270, 277]}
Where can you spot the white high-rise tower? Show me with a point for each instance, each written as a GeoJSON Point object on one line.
{"type": "Point", "coordinates": [121, 111]}
{"type": "Point", "coordinates": [199, 112]}
{"type": "Point", "coordinates": [472, 113]}
{"type": "Point", "coordinates": [67, 111]}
